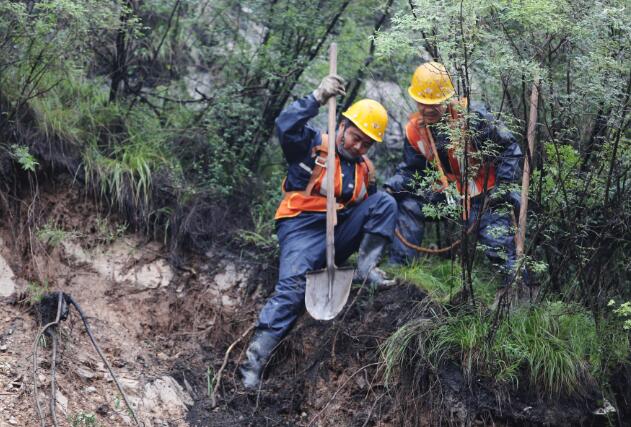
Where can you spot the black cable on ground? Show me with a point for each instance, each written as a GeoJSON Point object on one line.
{"type": "Point", "coordinates": [35, 343]}
{"type": "Point", "coordinates": [53, 388]}
{"type": "Point", "coordinates": [62, 300]}
{"type": "Point", "coordinates": [98, 350]}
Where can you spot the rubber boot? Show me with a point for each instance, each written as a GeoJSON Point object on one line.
{"type": "Point", "coordinates": [258, 353]}
{"type": "Point", "coordinates": [370, 250]}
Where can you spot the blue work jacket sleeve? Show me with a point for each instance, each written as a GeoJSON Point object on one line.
{"type": "Point", "coordinates": [294, 132]}
{"type": "Point", "coordinates": [413, 165]}
{"type": "Point", "coordinates": [414, 161]}
{"type": "Point", "coordinates": [490, 133]}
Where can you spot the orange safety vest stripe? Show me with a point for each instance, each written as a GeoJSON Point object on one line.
{"type": "Point", "coordinates": [313, 197]}
{"type": "Point", "coordinates": [420, 139]}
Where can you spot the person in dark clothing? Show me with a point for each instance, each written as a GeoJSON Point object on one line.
{"type": "Point", "coordinates": [429, 149]}
{"type": "Point", "coordinates": [365, 217]}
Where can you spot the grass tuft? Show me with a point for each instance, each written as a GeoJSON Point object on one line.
{"type": "Point", "coordinates": [441, 279]}
{"type": "Point", "coordinates": [555, 348]}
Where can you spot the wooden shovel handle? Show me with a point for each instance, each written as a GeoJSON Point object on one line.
{"type": "Point", "coordinates": [331, 216]}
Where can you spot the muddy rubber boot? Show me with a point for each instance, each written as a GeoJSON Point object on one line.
{"type": "Point", "coordinates": [258, 353]}
{"type": "Point", "coordinates": [370, 250]}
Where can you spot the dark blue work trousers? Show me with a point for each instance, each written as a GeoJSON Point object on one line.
{"type": "Point", "coordinates": [302, 242]}
{"type": "Point", "coordinates": [496, 233]}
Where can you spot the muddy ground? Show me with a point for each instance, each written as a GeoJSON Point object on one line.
{"type": "Point", "coordinates": [166, 330]}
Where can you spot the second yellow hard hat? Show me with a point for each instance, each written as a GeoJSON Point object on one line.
{"type": "Point", "coordinates": [431, 84]}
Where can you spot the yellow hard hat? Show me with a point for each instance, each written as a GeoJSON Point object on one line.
{"type": "Point", "coordinates": [431, 84]}
{"type": "Point", "coordinates": [370, 117]}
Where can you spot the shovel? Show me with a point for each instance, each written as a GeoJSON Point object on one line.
{"type": "Point", "coordinates": [328, 288]}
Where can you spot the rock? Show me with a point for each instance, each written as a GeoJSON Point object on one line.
{"type": "Point", "coordinates": [7, 284]}
{"type": "Point", "coordinates": [164, 396]}
{"type": "Point", "coordinates": [226, 301]}
{"type": "Point", "coordinates": [129, 385]}
{"type": "Point", "coordinates": [227, 279]}
{"type": "Point", "coordinates": [157, 274]}
{"type": "Point", "coordinates": [606, 409]}
{"type": "Point", "coordinates": [62, 402]}
{"type": "Point", "coordinates": [230, 278]}
{"type": "Point", "coordinates": [13, 421]}
{"type": "Point", "coordinates": [113, 264]}
{"type": "Point", "coordinates": [90, 389]}
{"type": "Point", "coordinates": [3, 348]}
{"type": "Point", "coordinates": [84, 373]}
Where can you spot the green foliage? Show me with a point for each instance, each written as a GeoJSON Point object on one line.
{"type": "Point", "coordinates": [622, 312]}
{"type": "Point", "coordinates": [43, 39]}
{"type": "Point", "coordinates": [554, 349]}
{"type": "Point", "coordinates": [72, 108]}
{"type": "Point", "coordinates": [36, 291]}
{"type": "Point", "coordinates": [83, 419]}
{"type": "Point", "coordinates": [210, 380]}
{"type": "Point", "coordinates": [193, 117]}
{"type": "Point", "coordinates": [107, 231]}
{"type": "Point", "coordinates": [441, 279]}
{"type": "Point", "coordinates": [262, 235]}
{"type": "Point", "coordinates": [52, 235]}
{"type": "Point", "coordinates": [121, 149]}
{"type": "Point", "coordinates": [25, 159]}
{"type": "Point", "coordinates": [247, 57]}
{"type": "Point", "coordinates": [579, 53]}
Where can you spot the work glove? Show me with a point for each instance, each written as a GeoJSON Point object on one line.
{"type": "Point", "coordinates": [331, 85]}
{"type": "Point", "coordinates": [436, 197]}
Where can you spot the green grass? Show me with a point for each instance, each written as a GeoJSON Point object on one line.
{"type": "Point", "coordinates": [36, 291]}
{"type": "Point", "coordinates": [121, 149]}
{"type": "Point", "coordinates": [69, 110]}
{"type": "Point", "coordinates": [441, 279]}
{"type": "Point", "coordinates": [52, 234]}
{"type": "Point", "coordinates": [555, 348]}
{"type": "Point", "coordinates": [83, 419]}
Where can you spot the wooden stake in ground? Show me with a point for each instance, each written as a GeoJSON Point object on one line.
{"type": "Point", "coordinates": [525, 183]}
{"type": "Point", "coordinates": [509, 296]}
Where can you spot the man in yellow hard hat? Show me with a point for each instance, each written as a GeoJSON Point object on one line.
{"type": "Point", "coordinates": [433, 145]}
{"type": "Point", "coordinates": [365, 217]}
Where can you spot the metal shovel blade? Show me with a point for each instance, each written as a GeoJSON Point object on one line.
{"type": "Point", "coordinates": [317, 300]}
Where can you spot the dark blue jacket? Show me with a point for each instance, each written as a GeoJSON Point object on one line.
{"type": "Point", "coordinates": [486, 130]}
{"type": "Point", "coordinates": [298, 138]}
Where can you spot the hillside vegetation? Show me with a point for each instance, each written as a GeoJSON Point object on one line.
{"type": "Point", "coordinates": [162, 113]}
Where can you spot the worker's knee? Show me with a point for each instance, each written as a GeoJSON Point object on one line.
{"type": "Point", "coordinates": [383, 203]}
{"type": "Point", "coordinates": [387, 201]}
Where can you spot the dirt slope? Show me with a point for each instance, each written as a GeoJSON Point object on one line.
{"type": "Point", "coordinates": [165, 332]}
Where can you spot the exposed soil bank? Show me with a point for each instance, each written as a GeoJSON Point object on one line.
{"type": "Point", "coordinates": [166, 330]}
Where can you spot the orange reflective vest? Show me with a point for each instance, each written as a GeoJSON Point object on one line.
{"type": "Point", "coordinates": [313, 197]}
{"type": "Point", "coordinates": [421, 140]}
